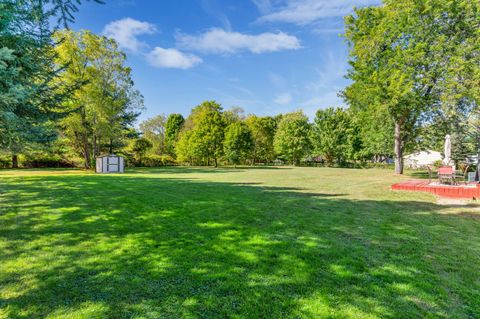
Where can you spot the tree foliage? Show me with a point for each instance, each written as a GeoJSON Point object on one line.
{"type": "Point", "coordinates": [153, 130]}
{"type": "Point", "coordinates": [415, 71]}
{"type": "Point", "coordinates": [412, 59]}
{"type": "Point", "coordinates": [334, 135]}
{"type": "Point", "coordinates": [375, 129]}
{"type": "Point", "coordinates": [238, 144]}
{"type": "Point", "coordinates": [140, 147]}
{"type": "Point", "coordinates": [173, 127]}
{"type": "Point", "coordinates": [263, 133]}
{"type": "Point", "coordinates": [292, 138]}
{"type": "Point", "coordinates": [202, 136]}
{"type": "Point", "coordinates": [233, 115]}
{"type": "Point", "coordinates": [27, 69]}
{"type": "Point", "coordinates": [104, 107]}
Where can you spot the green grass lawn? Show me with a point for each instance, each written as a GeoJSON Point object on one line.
{"type": "Point", "coordinates": [232, 243]}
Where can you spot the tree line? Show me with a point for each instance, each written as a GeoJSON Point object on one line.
{"type": "Point", "coordinates": [66, 97]}
{"type": "Point", "coordinates": [211, 135]}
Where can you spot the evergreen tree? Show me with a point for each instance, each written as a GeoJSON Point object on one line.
{"type": "Point", "coordinates": [27, 98]}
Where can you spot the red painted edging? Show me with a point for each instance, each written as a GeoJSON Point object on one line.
{"type": "Point", "coordinates": [455, 191]}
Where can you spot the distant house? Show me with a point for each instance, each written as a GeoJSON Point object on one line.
{"type": "Point", "coordinates": [422, 158]}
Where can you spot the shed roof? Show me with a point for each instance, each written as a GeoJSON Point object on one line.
{"type": "Point", "coordinates": [108, 155]}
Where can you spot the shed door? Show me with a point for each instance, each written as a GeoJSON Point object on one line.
{"type": "Point", "coordinates": [112, 164]}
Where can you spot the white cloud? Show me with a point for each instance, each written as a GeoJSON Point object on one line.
{"type": "Point", "coordinates": [220, 41]}
{"type": "Point", "coordinates": [283, 99]}
{"type": "Point", "coordinates": [304, 12]}
{"type": "Point", "coordinates": [126, 31]}
{"type": "Point", "coordinates": [172, 58]}
{"type": "Point", "coordinates": [263, 6]}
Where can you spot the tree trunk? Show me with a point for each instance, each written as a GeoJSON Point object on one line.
{"type": "Point", "coordinates": [216, 164]}
{"type": "Point", "coordinates": [84, 140]}
{"type": "Point", "coordinates": [398, 149]}
{"type": "Point", "coordinates": [95, 147]}
{"type": "Point", "coordinates": [110, 150]}
{"type": "Point", "coordinates": [86, 153]}
{"type": "Point", "coordinates": [14, 161]}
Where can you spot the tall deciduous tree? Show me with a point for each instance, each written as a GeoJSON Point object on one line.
{"type": "Point", "coordinates": [238, 144]}
{"type": "Point", "coordinates": [154, 130]}
{"type": "Point", "coordinates": [202, 135]}
{"type": "Point", "coordinates": [106, 105]}
{"type": "Point", "coordinates": [292, 138]}
{"type": "Point", "coordinates": [412, 58]}
{"type": "Point", "coordinates": [172, 130]}
{"type": "Point", "coordinates": [233, 115]}
{"type": "Point", "coordinates": [374, 128]}
{"type": "Point", "coordinates": [263, 133]}
{"type": "Point", "coordinates": [183, 150]}
{"type": "Point", "coordinates": [333, 135]}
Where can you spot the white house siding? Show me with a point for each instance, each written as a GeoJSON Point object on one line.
{"type": "Point", "coordinates": [422, 159]}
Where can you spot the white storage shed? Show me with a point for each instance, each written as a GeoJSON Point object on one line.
{"type": "Point", "coordinates": [109, 164]}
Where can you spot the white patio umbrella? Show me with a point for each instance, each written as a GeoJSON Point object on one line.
{"type": "Point", "coordinates": [448, 150]}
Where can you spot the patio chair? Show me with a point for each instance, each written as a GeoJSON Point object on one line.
{"type": "Point", "coordinates": [447, 175]}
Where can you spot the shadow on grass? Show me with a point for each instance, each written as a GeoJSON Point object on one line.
{"type": "Point", "coordinates": [199, 169]}
{"type": "Point", "coordinates": [127, 246]}
{"type": "Point", "coordinates": [420, 174]}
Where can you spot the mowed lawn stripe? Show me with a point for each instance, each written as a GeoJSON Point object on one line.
{"type": "Point", "coordinates": [240, 242]}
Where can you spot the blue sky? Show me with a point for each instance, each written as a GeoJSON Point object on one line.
{"type": "Point", "coordinates": [266, 56]}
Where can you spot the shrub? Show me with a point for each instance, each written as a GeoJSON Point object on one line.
{"type": "Point", "coordinates": [437, 164]}
{"type": "Point", "coordinates": [157, 160]}
{"type": "Point", "coordinates": [5, 162]}
{"type": "Point", "coordinates": [44, 161]}
{"type": "Point", "coordinates": [378, 165]}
